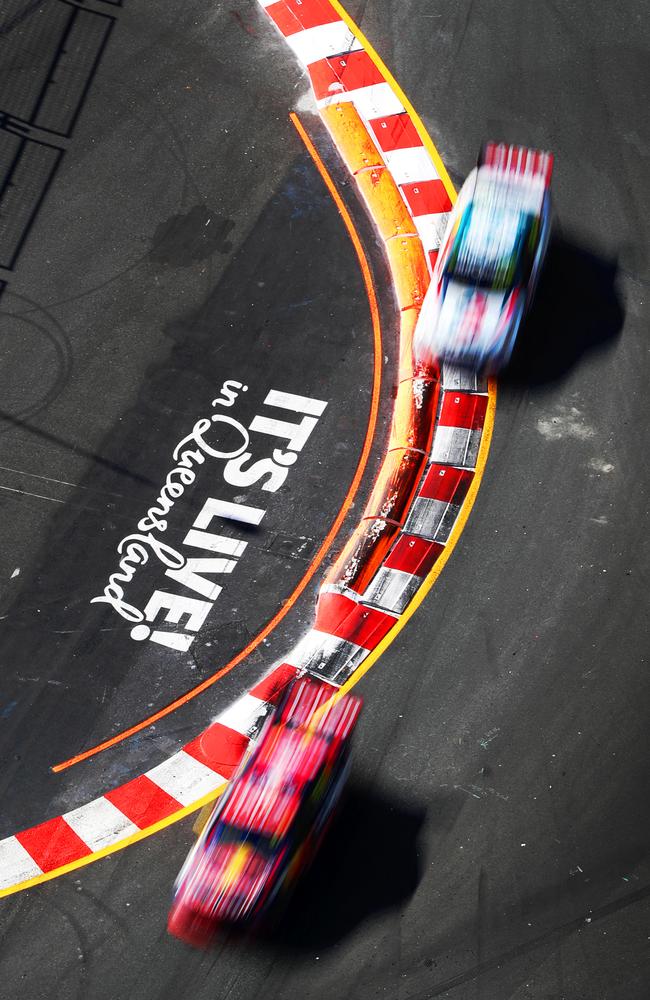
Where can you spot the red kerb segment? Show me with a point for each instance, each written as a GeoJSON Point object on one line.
{"type": "Point", "coordinates": [53, 844]}
{"type": "Point", "coordinates": [350, 72]}
{"type": "Point", "coordinates": [143, 801]}
{"type": "Point", "coordinates": [463, 409]}
{"type": "Point", "coordinates": [297, 15]}
{"type": "Point", "coordinates": [219, 748]}
{"type": "Point", "coordinates": [395, 132]}
{"type": "Point", "coordinates": [413, 555]}
{"type": "Point", "coordinates": [284, 18]}
{"type": "Point", "coordinates": [446, 483]}
{"type": "Point", "coordinates": [270, 688]}
{"type": "Point", "coordinates": [340, 616]}
{"type": "Point", "coordinates": [426, 197]}
{"type": "Point", "coordinates": [312, 13]}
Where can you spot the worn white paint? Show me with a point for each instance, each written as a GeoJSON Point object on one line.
{"type": "Point", "coordinates": [566, 421]}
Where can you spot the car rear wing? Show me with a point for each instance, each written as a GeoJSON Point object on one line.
{"type": "Point", "coordinates": [302, 698]}
{"type": "Point", "coordinates": [337, 720]}
{"type": "Point", "coordinates": [307, 703]}
{"type": "Point", "coordinates": [517, 161]}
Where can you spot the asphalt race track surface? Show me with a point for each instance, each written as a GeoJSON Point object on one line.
{"type": "Point", "coordinates": [494, 840]}
{"type": "Point", "coordinates": [142, 320]}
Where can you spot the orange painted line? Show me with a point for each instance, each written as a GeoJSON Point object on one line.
{"type": "Point", "coordinates": [343, 510]}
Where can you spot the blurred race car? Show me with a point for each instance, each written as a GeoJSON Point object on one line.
{"type": "Point", "coordinates": [267, 826]}
{"type": "Point", "coordinates": [489, 261]}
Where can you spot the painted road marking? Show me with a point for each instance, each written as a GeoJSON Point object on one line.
{"type": "Point", "coordinates": [398, 623]}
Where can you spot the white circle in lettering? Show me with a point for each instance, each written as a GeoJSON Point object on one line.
{"type": "Point", "coordinates": [140, 633]}
{"type": "Point", "coordinates": [222, 418]}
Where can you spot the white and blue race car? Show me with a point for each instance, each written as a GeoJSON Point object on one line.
{"type": "Point", "coordinates": [489, 261]}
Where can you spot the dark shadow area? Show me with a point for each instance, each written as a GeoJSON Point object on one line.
{"type": "Point", "coordinates": [368, 863]}
{"type": "Point", "coordinates": [576, 309]}
{"type": "Point", "coordinates": [49, 56]}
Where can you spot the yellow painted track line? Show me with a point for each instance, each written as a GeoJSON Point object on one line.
{"type": "Point", "coordinates": [148, 831]}
{"type": "Point", "coordinates": [488, 426]}
{"type": "Point", "coordinates": [397, 90]}
{"type": "Point", "coordinates": [443, 558]}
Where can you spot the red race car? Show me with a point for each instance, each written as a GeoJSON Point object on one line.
{"type": "Point", "coordinates": [267, 826]}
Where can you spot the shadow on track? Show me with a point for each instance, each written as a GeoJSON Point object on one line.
{"type": "Point", "coordinates": [576, 310]}
{"type": "Point", "coordinates": [368, 863]}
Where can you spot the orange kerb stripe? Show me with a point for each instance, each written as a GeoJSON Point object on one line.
{"type": "Point", "coordinates": [385, 203]}
{"type": "Point", "coordinates": [409, 270]}
{"type": "Point", "coordinates": [353, 142]}
{"type": "Point", "coordinates": [397, 476]}
{"type": "Point", "coordinates": [345, 506]}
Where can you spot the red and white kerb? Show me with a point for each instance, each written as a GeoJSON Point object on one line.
{"type": "Point", "coordinates": [341, 70]}
{"type": "Point", "coordinates": [348, 626]}
{"type": "Point", "coordinates": [200, 768]}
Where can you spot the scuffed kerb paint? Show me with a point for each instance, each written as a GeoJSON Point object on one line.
{"type": "Point", "coordinates": [192, 573]}
{"type": "Point", "coordinates": [419, 385]}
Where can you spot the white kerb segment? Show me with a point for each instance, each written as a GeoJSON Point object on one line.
{"type": "Point", "coordinates": [326, 655]}
{"type": "Point", "coordinates": [431, 519]}
{"type": "Point", "coordinates": [375, 101]}
{"type": "Point", "coordinates": [456, 446]}
{"type": "Point", "coordinates": [431, 229]}
{"type": "Point", "coordinates": [410, 165]}
{"type": "Point", "coordinates": [16, 864]}
{"type": "Point", "coordinates": [391, 589]}
{"type": "Point", "coordinates": [455, 378]}
{"type": "Point", "coordinates": [100, 824]}
{"type": "Point", "coordinates": [185, 778]}
{"type": "Point", "coordinates": [322, 42]}
{"type": "Point", "coordinates": [243, 714]}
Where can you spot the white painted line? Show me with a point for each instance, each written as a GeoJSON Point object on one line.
{"type": "Point", "coordinates": [99, 824]}
{"type": "Point", "coordinates": [231, 511]}
{"type": "Point", "coordinates": [299, 404]}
